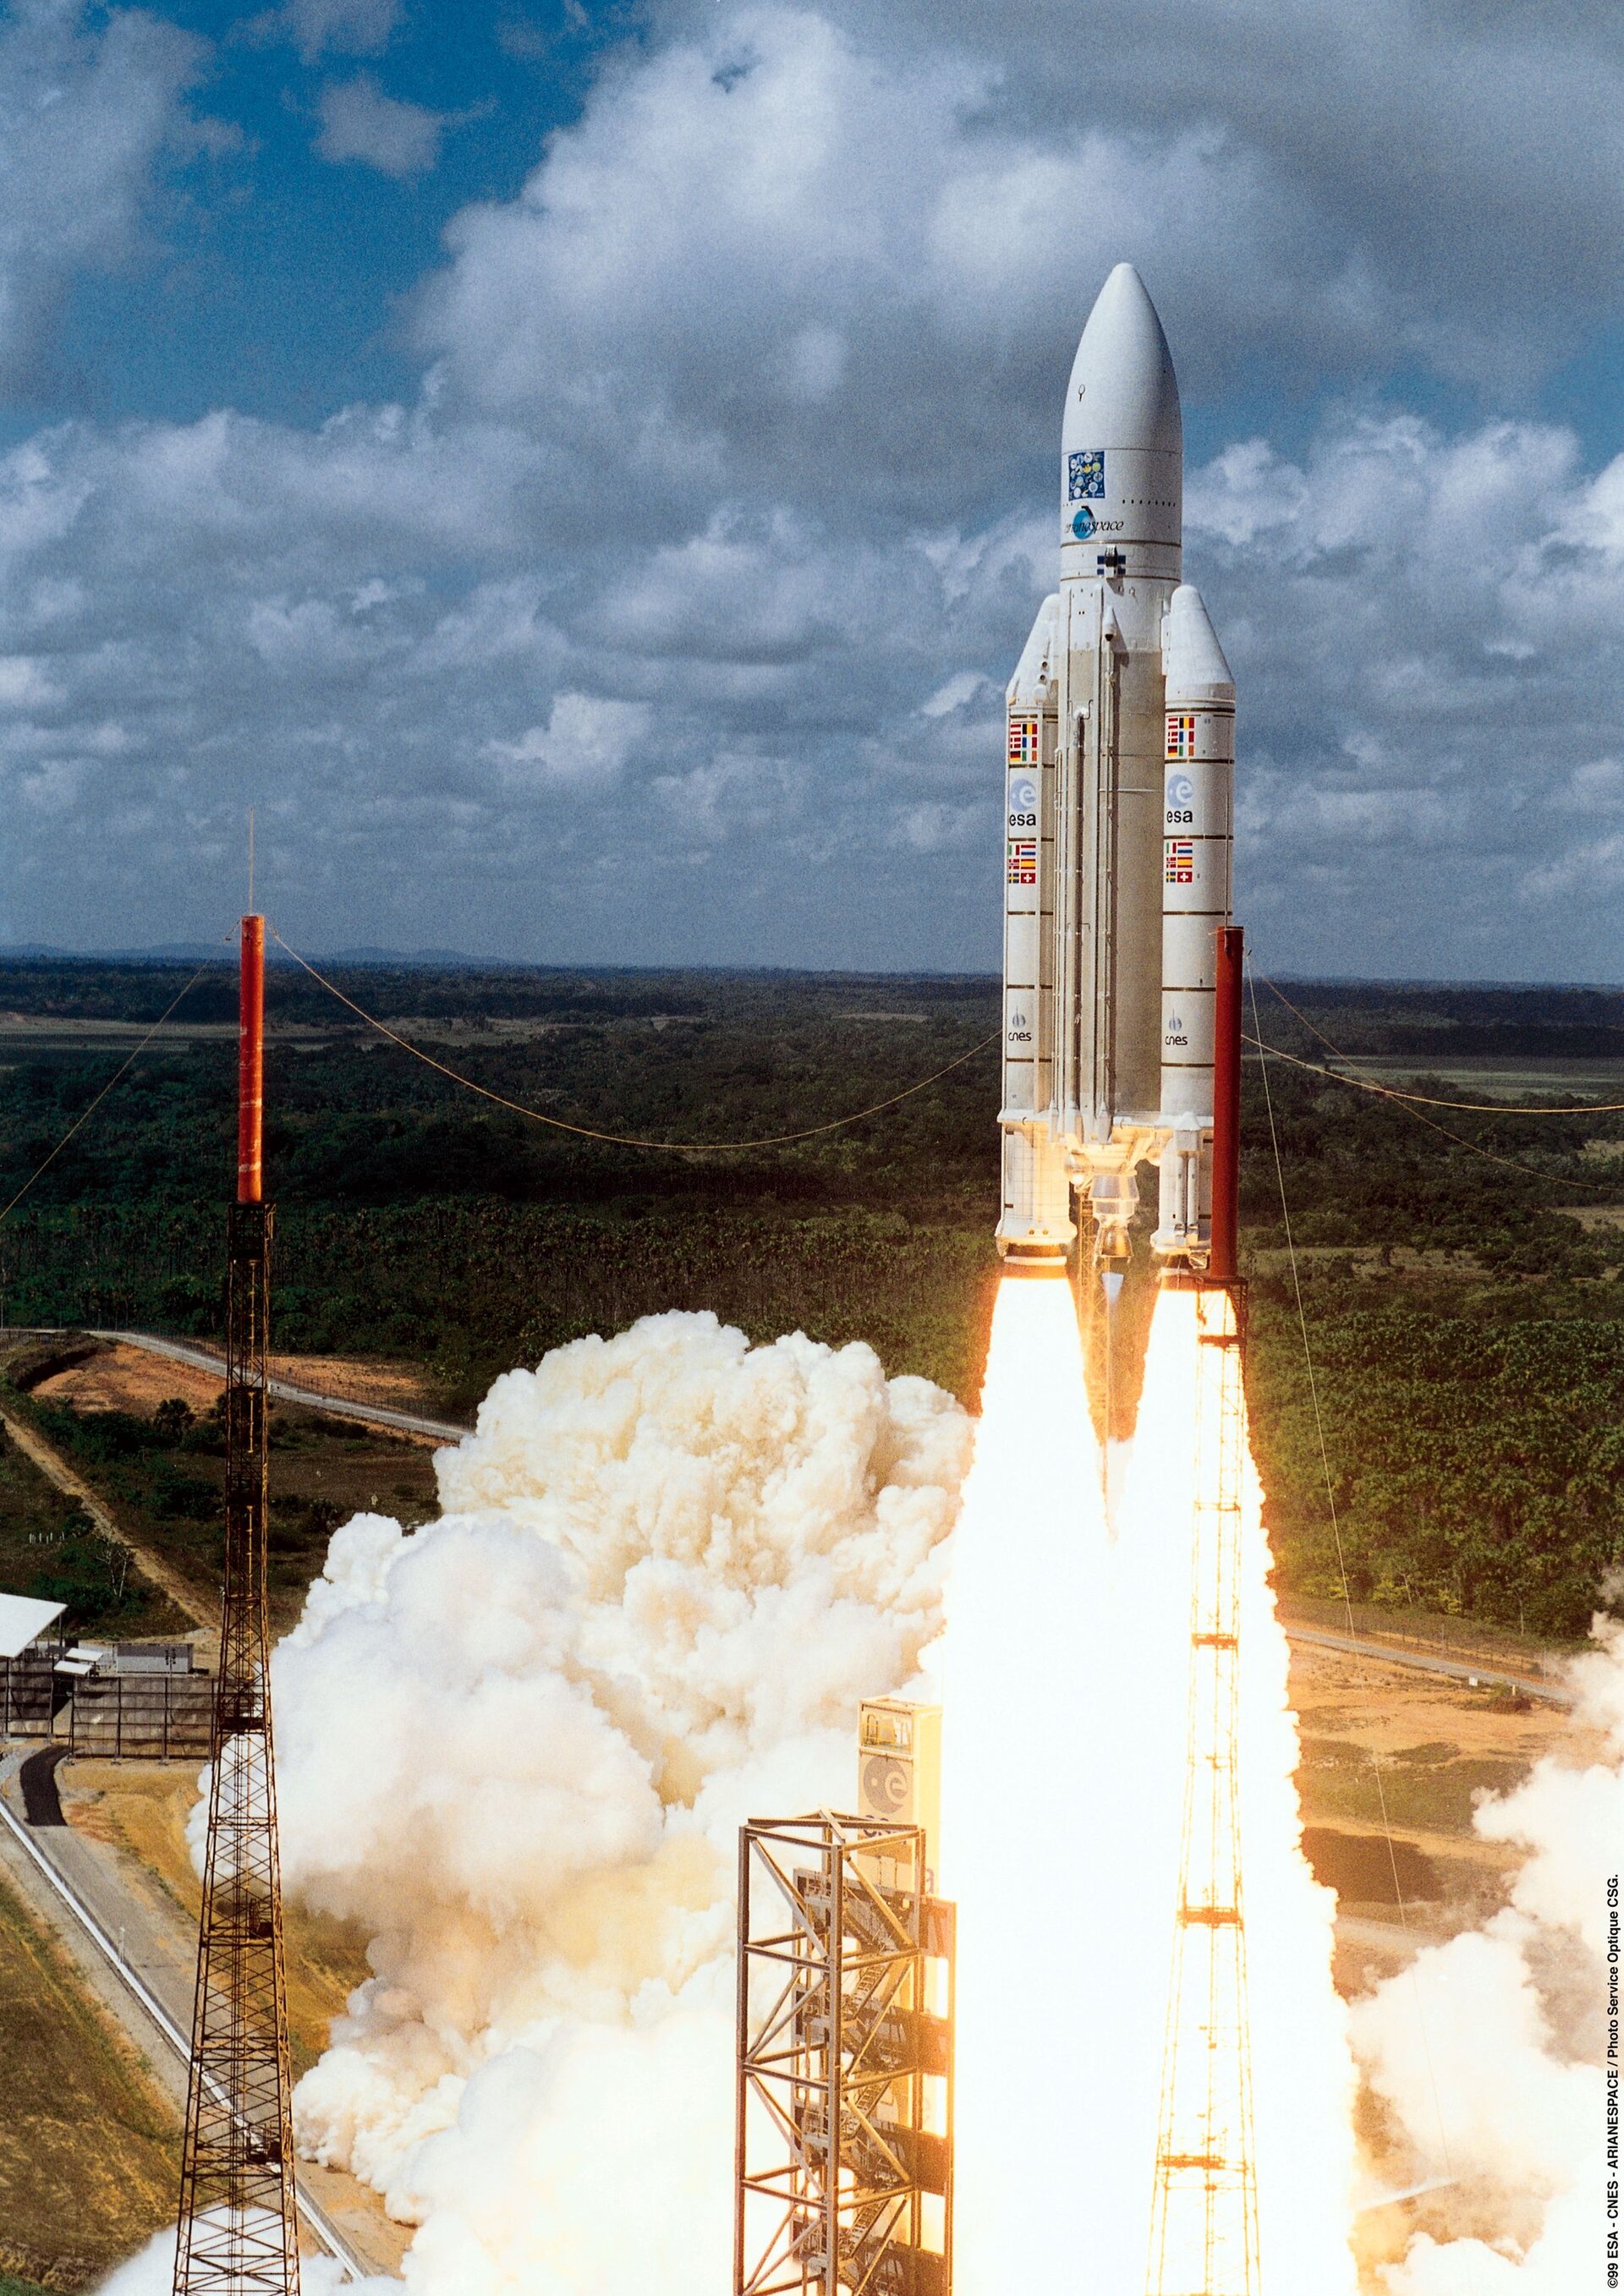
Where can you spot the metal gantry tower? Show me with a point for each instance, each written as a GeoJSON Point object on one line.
{"type": "Point", "coordinates": [238, 2232]}
{"type": "Point", "coordinates": [844, 2132]}
{"type": "Point", "coordinates": [1204, 2212]}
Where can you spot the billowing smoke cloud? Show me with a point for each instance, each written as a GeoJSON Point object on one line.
{"type": "Point", "coordinates": [518, 1744]}
{"type": "Point", "coordinates": [1491, 2054]}
{"type": "Point", "coordinates": [150, 2272]}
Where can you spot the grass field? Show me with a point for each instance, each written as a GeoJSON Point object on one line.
{"type": "Point", "coordinates": [49, 1549]}
{"type": "Point", "coordinates": [165, 1488]}
{"type": "Point", "coordinates": [89, 2147]}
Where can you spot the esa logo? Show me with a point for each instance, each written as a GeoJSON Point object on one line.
{"type": "Point", "coordinates": [1019, 1030]}
{"type": "Point", "coordinates": [1023, 803]}
{"type": "Point", "coordinates": [1181, 795]}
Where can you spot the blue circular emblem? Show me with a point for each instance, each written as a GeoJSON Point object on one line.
{"type": "Point", "coordinates": [1180, 789]}
{"type": "Point", "coordinates": [1082, 525]}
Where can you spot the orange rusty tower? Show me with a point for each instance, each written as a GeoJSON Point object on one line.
{"type": "Point", "coordinates": [238, 2233]}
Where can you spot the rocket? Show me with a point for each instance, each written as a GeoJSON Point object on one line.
{"type": "Point", "coordinates": [1119, 837]}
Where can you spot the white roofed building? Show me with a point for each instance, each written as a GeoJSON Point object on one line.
{"type": "Point", "coordinates": [23, 1618]}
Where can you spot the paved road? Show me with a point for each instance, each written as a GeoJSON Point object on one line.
{"type": "Point", "coordinates": [123, 1926]}
{"type": "Point", "coordinates": [42, 1804]}
{"type": "Point", "coordinates": [1467, 1670]}
{"type": "Point", "coordinates": [342, 1406]}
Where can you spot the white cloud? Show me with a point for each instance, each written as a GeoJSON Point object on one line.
{"type": "Point", "coordinates": [724, 496]}
{"type": "Point", "coordinates": [1424, 648]}
{"type": "Point", "coordinates": [24, 684]}
{"type": "Point", "coordinates": [585, 744]}
{"type": "Point", "coordinates": [879, 295]}
{"type": "Point", "coordinates": [934, 828]}
{"type": "Point", "coordinates": [85, 110]}
{"type": "Point", "coordinates": [1450, 178]}
{"type": "Point", "coordinates": [962, 686]}
{"type": "Point", "coordinates": [360, 122]}
{"type": "Point", "coordinates": [318, 28]}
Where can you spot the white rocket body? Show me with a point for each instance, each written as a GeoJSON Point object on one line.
{"type": "Point", "coordinates": [1119, 828]}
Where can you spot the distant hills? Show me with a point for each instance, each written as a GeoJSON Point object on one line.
{"type": "Point", "coordinates": [454, 959]}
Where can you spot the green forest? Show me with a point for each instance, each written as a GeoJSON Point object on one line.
{"type": "Point", "coordinates": [1458, 1271]}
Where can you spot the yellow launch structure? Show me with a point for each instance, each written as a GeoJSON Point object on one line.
{"type": "Point", "coordinates": [1204, 2213]}
{"type": "Point", "coordinates": [899, 1769]}
{"type": "Point", "coordinates": [843, 2163]}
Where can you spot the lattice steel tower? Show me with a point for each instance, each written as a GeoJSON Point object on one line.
{"type": "Point", "coordinates": [238, 2231]}
{"type": "Point", "coordinates": [843, 2184]}
{"type": "Point", "coordinates": [1204, 2213]}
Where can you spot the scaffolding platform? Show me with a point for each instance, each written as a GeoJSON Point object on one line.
{"type": "Point", "coordinates": [845, 2076]}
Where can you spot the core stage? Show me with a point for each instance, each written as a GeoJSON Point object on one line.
{"type": "Point", "coordinates": [1119, 802]}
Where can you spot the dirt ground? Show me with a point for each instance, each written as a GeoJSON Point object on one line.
{"type": "Point", "coordinates": [130, 1378]}
{"type": "Point", "coordinates": [124, 1379]}
{"type": "Point", "coordinates": [322, 1470]}
{"type": "Point", "coordinates": [142, 1807]}
{"type": "Point", "coordinates": [1386, 1743]}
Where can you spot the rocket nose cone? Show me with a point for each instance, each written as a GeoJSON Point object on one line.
{"type": "Point", "coordinates": [1191, 659]}
{"type": "Point", "coordinates": [1123, 392]}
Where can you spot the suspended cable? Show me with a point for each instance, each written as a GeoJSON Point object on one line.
{"type": "Point", "coordinates": [1422, 1099]}
{"type": "Point", "coordinates": [623, 1139]}
{"type": "Point", "coordinates": [1341, 1568]}
{"type": "Point", "coordinates": [1490, 1155]}
{"type": "Point", "coordinates": [80, 1121]}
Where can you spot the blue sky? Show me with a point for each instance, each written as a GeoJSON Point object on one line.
{"type": "Point", "coordinates": [267, 276]}
{"type": "Point", "coordinates": [582, 474]}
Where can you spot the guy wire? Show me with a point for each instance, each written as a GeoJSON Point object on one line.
{"type": "Point", "coordinates": [85, 1115]}
{"type": "Point", "coordinates": [1406, 1099]}
{"type": "Point", "coordinates": [1341, 1568]}
{"type": "Point", "coordinates": [1420, 1099]}
{"type": "Point", "coordinates": [622, 1139]}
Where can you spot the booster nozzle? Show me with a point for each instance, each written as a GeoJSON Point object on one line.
{"type": "Point", "coordinates": [1113, 1199]}
{"type": "Point", "coordinates": [1032, 1259]}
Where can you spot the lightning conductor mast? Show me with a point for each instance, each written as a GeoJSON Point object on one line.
{"type": "Point", "coordinates": [238, 2233]}
{"type": "Point", "coordinates": [1119, 804]}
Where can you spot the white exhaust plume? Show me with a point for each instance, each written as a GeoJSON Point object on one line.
{"type": "Point", "coordinates": [1497, 2080]}
{"type": "Point", "coordinates": [518, 1744]}
{"type": "Point", "coordinates": [1021, 1767]}
{"type": "Point", "coordinates": [1064, 1751]}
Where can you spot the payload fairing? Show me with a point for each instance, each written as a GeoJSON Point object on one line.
{"type": "Point", "coordinates": [1118, 830]}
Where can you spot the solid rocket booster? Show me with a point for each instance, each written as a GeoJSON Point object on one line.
{"type": "Point", "coordinates": [1119, 829]}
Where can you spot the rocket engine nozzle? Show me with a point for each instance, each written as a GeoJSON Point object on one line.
{"type": "Point", "coordinates": [1030, 1260]}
